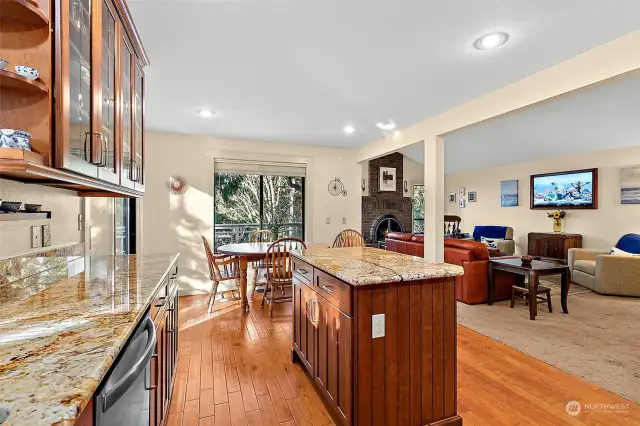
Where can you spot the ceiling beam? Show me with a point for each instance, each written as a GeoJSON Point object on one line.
{"type": "Point", "coordinates": [598, 64]}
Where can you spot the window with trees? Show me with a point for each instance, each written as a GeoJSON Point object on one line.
{"type": "Point", "coordinates": [246, 202]}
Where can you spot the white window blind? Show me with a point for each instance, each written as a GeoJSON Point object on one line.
{"type": "Point", "coordinates": [250, 167]}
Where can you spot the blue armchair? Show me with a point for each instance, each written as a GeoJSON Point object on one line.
{"type": "Point", "coordinates": [505, 233]}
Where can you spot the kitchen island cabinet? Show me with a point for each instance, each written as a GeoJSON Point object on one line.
{"type": "Point", "coordinates": [376, 330]}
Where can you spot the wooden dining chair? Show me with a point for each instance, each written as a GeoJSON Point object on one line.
{"type": "Point", "coordinates": [259, 236]}
{"type": "Point", "coordinates": [279, 272]}
{"type": "Point", "coordinates": [222, 267]}
{"type": "Point", "coordinates": [349, 238]}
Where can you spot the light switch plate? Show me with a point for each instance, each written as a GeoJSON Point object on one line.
{"type": "Point", "coordinates": [344, 220]}
{"type": "Point", "coordinates": [328, 221]}
{"type": "Point", "coordinates": [46, 235]}
{"type": "Point", "coordinates": [36, 236]}
{"type": "Point", "coordinates": [377, 326]}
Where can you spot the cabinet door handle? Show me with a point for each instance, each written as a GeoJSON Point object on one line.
{"type": "Point", "coordinates": [154, 356]}
{"type": "Point", "coordinates": [104, 151]}
{"type": "Point", "coordinates": [87, 139]}
{"type": "Point", "coordinates": [328, 289]}
{"type": "Point", "coordinates": [98, 163]}
{"type": "Point", "coordinates": [302, 271]}
{"type": "Point", "coordinates": [314, 310]}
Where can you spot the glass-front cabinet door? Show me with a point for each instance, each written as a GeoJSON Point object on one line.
{"type": "Point", "coordinates": [126, 103]}
{"type": "Point", "coordinates": [106, 133]}
{"type": "Point", "coordinates": [138, 129]}
{"type": "Point", "coordinates": [75, 139]}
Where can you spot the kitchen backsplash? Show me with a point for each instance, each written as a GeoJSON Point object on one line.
{"type": "Point", "coordinates": [65, 205]}
{"type": "Point", "coordinates": [22, 266]}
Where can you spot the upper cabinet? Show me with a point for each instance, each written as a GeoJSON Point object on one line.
{"type": "Point", "coordinates": [90, 136]}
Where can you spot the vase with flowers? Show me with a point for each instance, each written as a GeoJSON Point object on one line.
{"type": "Point", "coordinates": [557, 216]}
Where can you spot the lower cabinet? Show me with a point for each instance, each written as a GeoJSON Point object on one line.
{"type": "Point", "coordinates": [323, 343]}
{"type": "Point", "coordinates": [163, 363]}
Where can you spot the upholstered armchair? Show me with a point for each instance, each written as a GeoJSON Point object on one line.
{"type": "Point", "coordinates": [605, 273]}
{"type": "Point", "coordinates": [505, 233]}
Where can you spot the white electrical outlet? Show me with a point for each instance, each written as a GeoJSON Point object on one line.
{"type": "Point", "coordinates": [36, 236]}
{"type": "Point", "coordinates": [377, 326]}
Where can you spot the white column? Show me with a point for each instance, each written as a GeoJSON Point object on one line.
{"type": "Point", "coordinates": [434, 198]}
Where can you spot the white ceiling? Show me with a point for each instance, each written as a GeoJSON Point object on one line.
{"type": "Point", "coordinates": [603, 116]}
{"type": "Point", "coordinates": [299, 70]}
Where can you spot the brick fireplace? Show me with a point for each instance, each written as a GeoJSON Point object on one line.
{"type": "Point", "coordinates": [382, 205]}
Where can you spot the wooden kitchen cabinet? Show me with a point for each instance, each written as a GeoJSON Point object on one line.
{"type": "Point", "coordinates": [164, 361]}
{"type": "Point", "coordinates": [405, 376]}
{"type": "Point", "coordinates": [97, 125]}
{"type": "Point", "coordinates": [305, 332]}
{"type": "Point", "coordinates": [85, 112]}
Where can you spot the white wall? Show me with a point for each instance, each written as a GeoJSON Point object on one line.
{"type": "Point", "coordinates": [15, 237]}
{"type": "Point", "coordinates": [174, 223]}
{"type": "Point", "coordinates": [413, 173]}
{"type": "Point", "coordinates": [600, 228]}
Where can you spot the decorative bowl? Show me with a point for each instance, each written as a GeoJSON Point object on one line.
{"type": "Point", "coordinates": [32, 208]}
{"type": "Point", "coordinates": [526, 259]}
{"type": "Point", "coordinates": [11, 138]}
{"type": "Point", "coordinates": [10, 206]}
{"type": "Point", "coordinates": [3, 64]}
{"type": "Point", "coordinates": [28, 72]}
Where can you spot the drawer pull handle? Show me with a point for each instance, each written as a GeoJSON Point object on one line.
{"type": "Point", "coordinates": [302, 271]}
{"type": "Point", "coordinates": [329, 289]}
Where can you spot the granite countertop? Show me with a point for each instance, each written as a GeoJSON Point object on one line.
{"type": "Point", "coordinates": [61, 329]}
{"type": "Point", "coordinates": [363, 266]}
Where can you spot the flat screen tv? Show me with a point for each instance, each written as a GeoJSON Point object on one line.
{"type": "Point", "coordinates": [577, 189]}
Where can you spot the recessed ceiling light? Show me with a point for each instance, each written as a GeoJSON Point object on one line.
{"type": "Point", "coordinates": [349, 129]}
{"type": "Point", "coordinates": [491, 41]}
{"type": "Point", "coordinates": [206, 113]}
{"type": "Point", "coordinates": [388, 126]}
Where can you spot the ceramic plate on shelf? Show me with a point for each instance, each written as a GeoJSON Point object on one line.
{"type": "Point", "coordinates": [11, 138]}
{"type": "Point", "coordinates": [28, 72]}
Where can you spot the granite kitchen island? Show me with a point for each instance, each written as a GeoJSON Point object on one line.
{"type": "Point", "coordinates": [62, 328]}
{"type": "Point", "coordinates": [376, 331]}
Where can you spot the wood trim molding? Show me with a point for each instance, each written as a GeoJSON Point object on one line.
{"type": "Point", "coordinates": [131, 30]}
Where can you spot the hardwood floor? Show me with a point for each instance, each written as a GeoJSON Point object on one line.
{"type": "Point", "coordinates": [236, 370]}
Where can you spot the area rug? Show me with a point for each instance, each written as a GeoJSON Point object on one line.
{"type": "Point", "coordinates": [598, 341]}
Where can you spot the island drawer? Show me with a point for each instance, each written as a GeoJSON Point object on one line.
{"type": "Point", "coordinates": [334, 290]}
{"type": "Point", "coordinates": [303, 271]}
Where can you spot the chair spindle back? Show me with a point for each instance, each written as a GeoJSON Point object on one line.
{"type": "Point", "coordinates": [261, 236]}
{"type": "Point", "coordinates": [279, 258]}
{"type": "Point", "coordinates": [349, 238]}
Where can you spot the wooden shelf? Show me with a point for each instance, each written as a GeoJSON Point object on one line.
{"type": "Point", "coordinates": [30, 167]}
{"type": "Point", "coordinates": [23, 10]}
{"type": "Point", "coordinates": [11, 80]}
{"type": "Point", "coordinates": [22, 215]}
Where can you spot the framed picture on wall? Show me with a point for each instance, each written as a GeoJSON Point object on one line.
{"type": "Point", "coordinates": [630, 185]}
{"type": "Point", "coordinates": [452, 197]}
{"type": "Point", "coordinates": [387, 179]}
{"type": "Point", "coordinates": [509, 193]}
{"type": "Point", "coordinates": [472, 196]}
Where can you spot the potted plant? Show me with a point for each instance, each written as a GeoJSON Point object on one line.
{"type": "Point", "coordinates": [557, 216]}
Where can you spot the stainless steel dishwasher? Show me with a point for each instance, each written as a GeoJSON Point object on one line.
{"type": "Point", "coordinates": [123, 396]}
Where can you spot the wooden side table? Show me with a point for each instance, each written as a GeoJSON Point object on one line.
{"type": "Point", "coordinates": [554, 245]}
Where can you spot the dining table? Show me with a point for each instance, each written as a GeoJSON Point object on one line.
{"type": "Point", "coordinates": [248, 252]}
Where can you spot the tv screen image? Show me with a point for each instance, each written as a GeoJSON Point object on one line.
{"type": "Point", "coordinates": [564, 190]}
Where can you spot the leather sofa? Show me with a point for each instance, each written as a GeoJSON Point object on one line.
{"type": "Point", "coordinates": [472, 287]}
{"type": "Point", "coordinates": [406, 243]}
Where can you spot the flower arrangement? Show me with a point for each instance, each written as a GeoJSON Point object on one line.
{"type": "Point", "coordinates": [557, 216]}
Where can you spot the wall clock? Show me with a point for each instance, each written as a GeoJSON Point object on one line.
{"type": "Point", "coordinates": [336, 187]}
{"type": "Point", "coordinates": [177, 185]}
